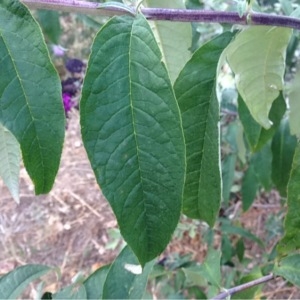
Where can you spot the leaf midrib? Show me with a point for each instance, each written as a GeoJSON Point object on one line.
{"type": "Point", "coordinates": [134, 130]}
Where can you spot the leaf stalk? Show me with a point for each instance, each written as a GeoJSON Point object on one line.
{"type": "Point", "coordinates": [164, 14]}
{"type": "Point", "coordinates": [242, 287]}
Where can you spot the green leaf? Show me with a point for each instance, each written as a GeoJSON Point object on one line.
{"type": "Point", "coordinates": [49, 21]}
{"type": "Point", "coordinates": [262, 164]}
{"type": "Point", "coordinates": [257, 57]}
{"type": "Point", "coordinates": [174, 38]}
{"type": "Point", "coordinates": [249, 187]}
{"type": "Point", "coordinates": [95, 282]}
{"type": "Point", "coordinates": [283, 149]}
{"type": "Point", "coordinates": [74, 291]}
{"type": "Point", "coordinates": [132, 132]}
{"type": "Point", "coordinates": [125, 279]}
{"type": "Point", "coordinates": [10, 157]}
{"type": "Point", "coordinates": [211, 267]}
{"type": "Point", "coordinates": [30, 94]}
{"type": "Point", "coordinates": [289, 269]}
{"type": "Point", "coordinates": [196, 95]}
{"type": "Point", "coordinates": [228, 169]}
{"type": "Point", "coordinates": [294, 101]}
{"type": "Point", "coordinates": [291, 239]}
{"type": "Point", "coordinates": [256, 135]}
{"type": "Point", "coordinates": [13, 283]}
{"type": "Point", "coordinates": [227, 227]}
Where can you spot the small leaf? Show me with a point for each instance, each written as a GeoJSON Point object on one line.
{"type": "Point", "coordinates": [249, 187]}
{"type": "Point", "coordinates": [211, 267]}
{"type": "Point", "coordinates": [175, 49]}
{"type": "Point", "coordinates": [228, 169]}
{"type": "Point", "coordinates": [74, 291]}
{"type": "Point", "coordinates": [283, 149]}
{"type": "Point", "coordinates": [132, 132]}
{"type": "Point", "coordinates": [125, 278]}
{"type": "Point", "coordinates": [291, 240]}
{"type": "Point", "coordinates": [227, 227]}
{"type": "Point", "coordinates": [95, 282]}
{"type": "Point", "coordinates": [30, 94]}
{"type": "Point", "coordinates": [196, 96]}
{"type": "Point", "coordinates": [10, 157]}
{"type": "Point", "coordinates": [257, 57]}
{"type": "Point", "coordinates": [15, 282]}
{"type": "Point", "coordinates": [256, 135]}
{"type": "Point", "coordinates": [50, 24]}
{"type": "Point", "coordinates": [289, 269]}
{"type": "Point", "coordinates": [262, 164]}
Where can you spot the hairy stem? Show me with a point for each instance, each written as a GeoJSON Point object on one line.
{"type": "Point", "coordinates": [181, 15]}
{"type": "Point", "coordinates": [244, 286]}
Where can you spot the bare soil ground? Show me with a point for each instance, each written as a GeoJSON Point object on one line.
{"type": "Point", "coordinates": [69, 228]}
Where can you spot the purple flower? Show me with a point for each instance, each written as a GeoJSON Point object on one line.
{"type": "Point", "coordinates": [67, 100]}
{"type": "Point", "coordinates": [58, 50]}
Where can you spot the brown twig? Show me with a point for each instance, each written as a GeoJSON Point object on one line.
{"type": "Point", "coordinates": [244, 286]}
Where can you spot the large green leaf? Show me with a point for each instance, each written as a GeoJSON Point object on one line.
{"type": "Point", "coordinates": [10, 157]}
{"type": "Point", "coordinates": [289, 269]}
{"type": "Point", "coordinates": [256, 135]}
{"type": "Point", "coordinates": [196, 95]}
{"type": "Point", "coordinates": [95, 282]}
{"type": "Point", "coordinates": [283, 149]}
{"type": "Point", "coordinates": [174, 38]}
{"type": "Point", "coordinates": [13, 283]}
{"type": "Point", "coordinates": [257, 57]}
{"type": "Point", "coordinates": [125, 279]}
{"type": "Point", "coordinates": [294, 101]}
{"type": "Point", "coordinates": [291, 239]}
{"type": "Point", "coordinates": [131, 128]}
{"type": "Point", "coordinates": [30, 94]}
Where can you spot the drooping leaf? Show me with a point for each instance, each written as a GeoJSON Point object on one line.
{"type": "Point", "coordinates": [74, 291]}
{"type": "Point", "coordinates": [249, 187]}
{"type": "Point", "coordinates": [95, 282]}
{"type": "Point", "coordinates": [50, 24]}
{"type": "Point", "coordinates": [174, 38]}
{"type": "Point", "coordinates": [291, 240]}
{"type": "Point", "coordinates": [289, 268]}
{"type": "Point", "coordinates": [257, 57]}
{"type": "Point", "coordinates": [30, 94]}
{"type": "Point", "coordinates": [262, 164]}
{"type": "Point", "coordinates": [196, 95]}
{"type": "Point", "coordinates": [132, 132]}
{"type": "Point", "coordinates": [283, 149]}
{"type": "Point", "coordinates": [229, 161]}
{"type": "Point", "coordinates": [228, 169]}
{"type": "Point", "coordinates": [10, 157]}
{"type": "Point", "coordinates": [15, 282]}
{"type": "Point", "coordinates": [294, 101]}
{"type": "Point", "coordinates": [125, 278]}
{"type": "Point", "coordinates": [256, 135]}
